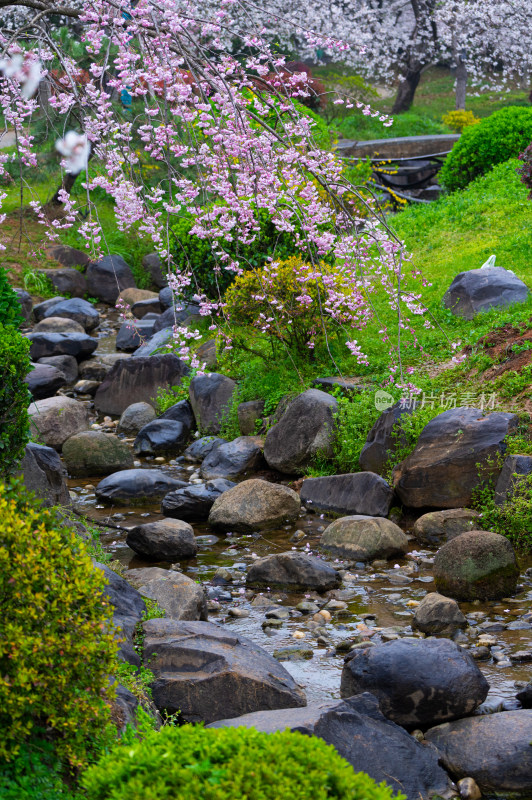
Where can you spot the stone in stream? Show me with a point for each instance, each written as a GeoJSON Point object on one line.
{"type": "Point", "coordinates": [478, 565]}
{"type": "Point", "coordinates": [138, 379]}
{"type": "Point", "coordinates": [42, 473]}
{"type": "Point", "coordinates": [356, 493]}
{"type": "Point", "coordinates": [254, 505]}
{"type": "Point", "coordinates": [44, 380]}
{"type": "Point", "coordinates": [305, 429]}
{"type": "Point", "coordinates": [94, 453]}
{"type": "Point", "coordinates": [163, 540]}
{"type": "Point", "coordinates": [149, 306]}
{"type": "Point", "coordinates": [443, 470]}
{"type": "Point", "coordinates": [132, 295]}
{"type": "Point", "coordinates": [514, 471]}
{"type": "Point", "coordinates": [161, 436]}
{"type": "Point", "coordinates": [293, 571]}
{"type": "Point", "coordinates": [136, 486]}
{"type": "Point", "coordinates": [107, 277]}
{"type": "Point", "coordinates": [179, 596]}
{"type": "Point", "coordinates": [55, 419]}
{"type": "Point", "coordinates": [194, 503]}
{"type": "Point", "coordinates": [133, 334]}
{"type": "Point", "coordinates": [181, 412]}
{"type": "Point", "coordinates": [418, 682]}
{"type": "Point", "coordinates": [384, 438]}
{"type": "Point", "coordinates": [58, 325]}
{"type": "Point", "coordinates": [128, 610]}
{"type": "Point", "coordinates": [525, 696]}
{"type": "Point", "coordinates": [481, 289]}
{"type": "Point", "coordinates": [201, 448]}
{"type": "Point", "coordinates": [157, 343]}
{"type": "Point", "coordinates": [26, 303]}
{"type": "Point", "coordinates": [40, 309]}
{"type": "Point", "coordinates": [494, 749]}
{"type": "Point", "coordinates": [248, 415]}
{"type": "Point", "coordinates": [364, 538]}
{"type": "Point", "coordinates": [362, 735]}
{"type": "Point", "coordinates": [94, 370]}
{"type": "Point", "coordinates": [77, 309]}
{"type": "Point", "coordinates": [135, 417]}
{"type": "Point", "coordinates": [234, 459]}
{"type": "Point", "coordinates": [66, 281]}
{"type": "Point", "coordinates": [210, 397]}
{"type": "Point", "coordinates": [181, 315]}
{"type": "Point", "coordinates": [438, 527]}
{"type": "Point", "coordinates": [79, 345]}
{"type": "Point", "coordinates": [65, 364]}
{"type": "Point", "coordinates": [207, 672]}
{"type": "Point", "coordinates": [438, 615]}
{"type": "Point", "coordinates": [156, 269]}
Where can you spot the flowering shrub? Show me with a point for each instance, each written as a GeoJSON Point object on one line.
{"type": "Point", "coordinates": [14, 397]}
{"type": "Point", "coordinates": [459, 119]}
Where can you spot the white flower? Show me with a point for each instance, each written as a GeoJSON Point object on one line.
{"type": "Point", "coordinates": [11, 66]}
{"type": "Point", "coordinates": [76, 148]}
{"type": "Point", "coordinates": [27, 72]}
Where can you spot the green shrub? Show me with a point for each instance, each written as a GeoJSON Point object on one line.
{"type": "Point", "coordinates": [502, 136]}
{"type": "Point", "coordinates": [226, 764]}
{"type": "Point", "coordinates": [513, 519]}
{"type": "Point", "coordinates": [10, 311]}
{"type": "Point", "coordinates": [57, 647]}
{"type": "Point", "coordinates": [34, 774]}
{"type": "Point", "coordinates": [14, 397]}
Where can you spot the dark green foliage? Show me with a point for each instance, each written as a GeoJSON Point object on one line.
{"type": "Point", "coordinates": [502, 136]}
{"type": "Point", "coordinates": [226, 764]}
{"type": "Point", "coordinates": [14, 397]}
{"type": "Point", "coordinates": [10, 312]}
{"type": "Point", "coordinates": [35, 774]}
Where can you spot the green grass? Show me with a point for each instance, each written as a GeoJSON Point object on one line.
{"type": "Point", "coordinates": [409, 124]}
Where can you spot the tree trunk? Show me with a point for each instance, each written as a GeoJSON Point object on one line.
{"type": "Point", "coordinates": [406, 91]}
{"type": "Point", "coordinates": [461, 84]}
{"type": "Point", "coordinates": [67, 184]}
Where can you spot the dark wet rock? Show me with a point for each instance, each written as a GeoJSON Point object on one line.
{"type": "Point", "coordinates": [40, 309]}
{"type": "Point", "coordinates": [180, 597]}
{"type": "Point", "coordinates": [124, 708]}
{"type": "Point", "coordinates": [355, 493]}
{"type": "Point", "coordinates": [206, 353]}
{"type": "Point", "coordinates": [26, 303]}
{"type": "Point", "coordinates": [128, 607]}
{"type": "Point", "coordinates": [200, 449]}
{"type": "Point", "coordinates": [437, 615]}
{"type": "Point", "coordinates": [78, 310]}
{"type": "Point", "coordinates": [293, 570]}
{"type": "Point", "coordinates": [68, 256]}
{"type": "Point", "coordinates": [66, 281]}
{"type": "Point", "coordinates": [478, 565]}
{"type": "Point", "coordinates": [166, 297]}
{"type": "Point", "coordinates": [207, 673]}
{"type": "Point", "coordinates": [156, 269]}
{"type": "Point", "coordinates": [495, 750]}
{"type": "Point", "coordinates": [525, 696]}
{"type": "Point", "coordinates": [133, 334]}
{"type": "Point", "coordinates": [306, 428]}
{"type": "Point", "coordinates": [418, 682]}
{"type": "Point", "coordinates": [161, 436]}
{"type": "Point", "coordinates": [107, 277]}
{"type": "Point", "coordinates": [181, 314]}
{"type": "Point", "coordinates": [365, 738]}
{"type": "Point", "coordinates": [94, 370]}
{"type": "Point", "coordinates": [364, 538]}
{"type": "Point", "coordinates": [58, 325]}
{"type": "Point", "coordinates": [194, 503]}
{"type": "Point", "coordinates": [55, 419]}
{"type": "Point", "coordinates": [248, 415]}
{"type": "Point", "coordinates": [481, 289]}
{"type": "Point", "coordinates": [233, 459]}
{"type": "Point", "coordinates": [135, 417]}
{"type": "Point", "coordinates": [79, 345]}
{"type": "Point", "coordinates": [443, 470]}
{"type": "Point", "coordinates": [164, 540]}
{"type": "Point", "coordinates": [210, 398]}
{"type": "Point", "coordinates": [138, 378]}
{"type": "Point", "coordinates": [384, 438]}
{"type": "Point", "coordinates": [254, 505]}
{"type": "Point", "coordinates": [181, 412]}
{"type": "Point", "coordinates": [42, 473]}
{"type": "Point", "coordinates": [514, 471]}
{"type": "Point", "coordinates": [44, 380]}
{"type": "Point", "coordinates": [148, 306]}
{"type": "Point", "coordinates": [65, 364]}
{"type": "Point", "coordinates": [438, 527]}
{"type": "Point", "coordinates": [93, 453]}
{"type": "Point", "coordinates": [136, 486]}
{"type": "Point", "coordinates": [157, 344]}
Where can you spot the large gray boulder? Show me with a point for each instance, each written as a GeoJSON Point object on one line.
{"type": "Point", "coordinates": [249, 414]}
{"type": "Point", "coordinates": [58, 325]}
{"type": "Point", "coordinates": [182, 314]}
{"type": "Point", "coordinates": [135, 417]}
{"type": "Point", "coordinates": [207, 672]}
{"type": "Point", "coordinates": [493, 749]}
{"type": "Point", "coordinates": [78, 310]}
{"type": "Point", "coordinates": [133, 335]}
{"type": "Point", "coordinates": [234, 459]}
{"type": "Point", "coordinates": [66, 281]}
{"type": "Point", "coordinates": [181, 412]}
{"type": "Point", "coordinates": [163, 540]}
{"type": "Point", "coordinates": [354, 493]}
{"type": "Point", "coordinates": [418, 682]}
{"type": "Point", "coordinates": [254, 505]}
{"type": "Point", "coordinates": [211, 397]}
{"type": "Point", "coordinates": [364, 538]}
{"type": "Point", "coordinates": [128, 610]}
{"type": "Point", "coordinates": [26, 303]}
{"type": "Point", "coordinates": [200, 448]}
{"type": "Point", "coordinates": [514, 471]}
{"type": "Point", "coordinates": [65, 364]}
{"type": "Point", "coordinates": [55, 419]}
{"type": "Point", "coordinates": [158, 343]}
{"type": "Point", "coordinates": [362, 735]}
{"type": "Point", "coordinates": [156, 269]}
{"type": "Point", "coordinates": [138, 379]}
{"type": "Point", "coordinates": [437, 527]}
{"type": "Point", "coordinates": [384, 438]}
{"type": "Point", "coordinates": [193, 503]}
{"type": "Point", "coordinates": [478, 565]}
{"type": "Point", "coordinates": [481, 289]}
{"type": "Point", "coordinates": [161, 436]}
{"type": "Point", "coordinates": [44, 380]}
{"type": "Point", "coordinates": [293, 571]}
{"type": "Point", "coordinates": [107, 277]}
{"type": "Point", "coordinates": [40, 309]}
{"type": "Point", "coordinates": [79, 345]}
{"type": "Point", "coordinates": [437, 615]}
{"type": "Point", "coordinates": [180, 597]}
{"type": "Point", "coordinates": [443, 470]}
{"type": "Point", "coordinates": [305, 429]}
{"type": "Point", "coordinates": [136, 486]}
{"type": "Point", "coordinates": [42, 473]}
{"type": "Point", "coordinates": [95, 453]}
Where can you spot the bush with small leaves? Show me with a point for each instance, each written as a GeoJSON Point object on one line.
{"type": "Point", "coordinates": [10, 311]}
{"type": "Point", "coordinates": [459, 119]}
{"type": "Point", "coordinates": [14, 397]}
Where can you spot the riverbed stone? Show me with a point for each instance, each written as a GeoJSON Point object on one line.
{"type": "Point", "coordinates": [362, 735]}
{"type": "Point", "coordinates": [55, 419]}
{"type": "Point", "coordinates": [481, 289]}
{"type": "Point", "coordinates": [128, 610]}
{"type": "Point", "coordinates": [364, 538]}
{"type": "Point", "coordinates": [95, 453]}
{"type": "Point", "coordinates": [193, 503]}
{"type": "Point", "coordinates": [208, 673]}
{"type": "Point", "coordinates": [42, 473]}
{"type": "Point", "coordinates": [207, 354]}
{"type": "Point", "coordinates": [479, 565]}
{"type": "Point", "coordinates": [181, 412]}
{"type": "Point", "coordinates": [293, 571]}
{"type": "Point", "coordinates": [66, 281]}
{"type": "Point", "coordinates": [163, 540]}
{"type": "Point", "coordinates": [443, 470]}
{"type": "Point", "coordinates": [149, 306]}
{"type": "Point", "coordinates": [157, 270]}
{"type": "Point", "coordinates": [182, 314]}
{"type": "Point", "coordinates": [437, 527]}
{"type": "Point", "coordinates": [179, 596]}
{"type": "Point", "coordinates": [68, 256]}
{"type": "Point", "coordinates": [40, 309]}
{"type": "Point", "coordinates": [249, 414]}
{"type": "Point", "coordinates": [234, 459]}
{"type": "Point", "coordinates": [161, 436]}
{"type": "Point", "coordinates": [384, 438]}
{"type": "Point", "coordinates": [94, 369]}
{"type": "Point", "coordinates": [418, 682]}
{"type": "Point", "coordinates": [200, 449]}
{"type": "Point", "coordinates": [135, 417]}
{"type": "Point", "coordinates": [305, 429]}
{"type": "Point", "coordinates": [26, 303]}
{"type": "Point", "coordinates": [514, 470]}
{"type": "Point", "coordinates": [493, 749]}
{"type": "Point", "coordinates": [108, 277]}
{"type": "Point", "coordinates": [138, 379]}
{"type": "Point", "coordinates": [79, 345]}
{"type": "Point", "coordinates": [58, 325]}
{"type": "Point", "coordinates": [158, 343]}
{"type": "Point", "coordinates": [44, 380]}
{"type": "Point", "coordinates": [354, 493]}
{"type": "Point", "coordinates": [210, 397]}
{"type": "Point", "coordinates": [81, 311]}
{"type": "Point", "coordinates": [133, 334]}
{"type": "Point", "coordinates": [136, 486]}
{"type": "Point", "coordinates": [437, 615]}
{"type": "Point", "coordinates": [254, 505]}
{"type": "Point", "coordinates": [65, 364]}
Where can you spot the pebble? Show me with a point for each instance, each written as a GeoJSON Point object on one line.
{"type": "Point", "coordinates": [298, 635]}
{"type": "Point", "coordinates": [306, 607]}
{"type": "Point", "coordinates": [272, 623]}
{"type": "Point", "coordinates": [277, 613]}
{"type": "Point", "coordinates": [293, 654]}
{"type": "Point", "coordinates": [468, 789]}
{"type": "Point", "coordinates": [322, 616]}
{"type": "Point", "coordinates": [160, 459]}
{"type": "Point", "coordinates": [238, 613]}
{"type": "Point", "coordinates": [522, 655]}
